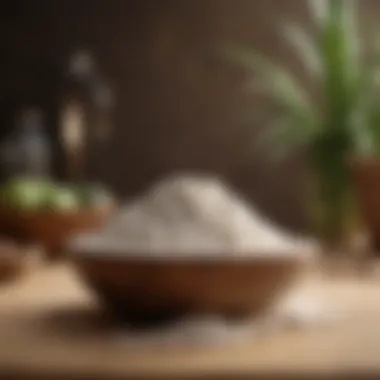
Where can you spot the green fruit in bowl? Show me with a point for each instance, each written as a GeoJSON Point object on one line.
{"type": "Point", "coordinates": [26, 194]}
{"type": "Point", "coordinates": [94, 196]}
{"type": "Point", "coordinates": [63, 200]}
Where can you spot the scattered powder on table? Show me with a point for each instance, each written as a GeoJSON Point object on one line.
{"type": "Point", "coordinates": [194, 215]}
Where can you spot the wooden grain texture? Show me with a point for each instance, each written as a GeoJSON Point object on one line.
{"type": "Point", "coordinates": [51, 326]}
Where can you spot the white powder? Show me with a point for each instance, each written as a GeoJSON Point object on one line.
{"type": "Point", "coordinates": [193, 215]}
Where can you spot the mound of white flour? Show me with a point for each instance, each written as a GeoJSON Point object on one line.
{"type": "Point", "coordinates": [191, 215]}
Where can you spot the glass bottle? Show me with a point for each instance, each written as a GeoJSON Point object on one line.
{"type": "Point", "coordinates": [26, 150]}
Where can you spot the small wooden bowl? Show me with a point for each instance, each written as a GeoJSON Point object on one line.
{"type": "Point", "coordinates": [51, 229]}
{"type": "Point", "coordinates": [142, 289]}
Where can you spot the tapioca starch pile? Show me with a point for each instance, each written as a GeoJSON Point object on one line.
{"type": "Point", "coordinates": [195, 215]}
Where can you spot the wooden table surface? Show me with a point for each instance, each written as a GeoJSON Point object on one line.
{"type": "Point", "coordinates": [50, 326]}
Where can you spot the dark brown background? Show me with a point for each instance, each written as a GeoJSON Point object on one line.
{"type": "Point", "coordinates": [176, 103]}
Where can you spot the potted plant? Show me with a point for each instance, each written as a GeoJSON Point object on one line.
{"type": "Point", "coordinates": [334, 119]}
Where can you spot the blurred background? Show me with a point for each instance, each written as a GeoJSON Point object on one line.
{"type": "Point", "coordinates": [174, 102]}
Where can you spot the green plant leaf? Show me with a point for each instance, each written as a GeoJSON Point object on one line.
{"type": "Point", "coordinates": [366, 126]}
{"type": "Point", "coordinates": [341, 64]}
{"type": "Point", "coordinates": [278, 82]}
{"type": "Point", "coordinates": [319, 10]}
{"type": "Point", "coordinates": [299, 121]}
{"type": "Point", "coordinates": [284, 136]}
{"type": "Point", "coordinates": [352, 40]}
{"type": "Point", "coordinates": [306, 49]}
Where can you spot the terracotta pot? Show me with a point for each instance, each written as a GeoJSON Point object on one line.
{"type": "Point", "coordinates": [144, 289]}
{"type": "Point", "coordinates": [366, 177]}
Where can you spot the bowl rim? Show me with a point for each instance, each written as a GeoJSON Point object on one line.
{"type": "Point", "coordinates": [199, 257]}
{"type": "Point", "coordinates": [195, 260]}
